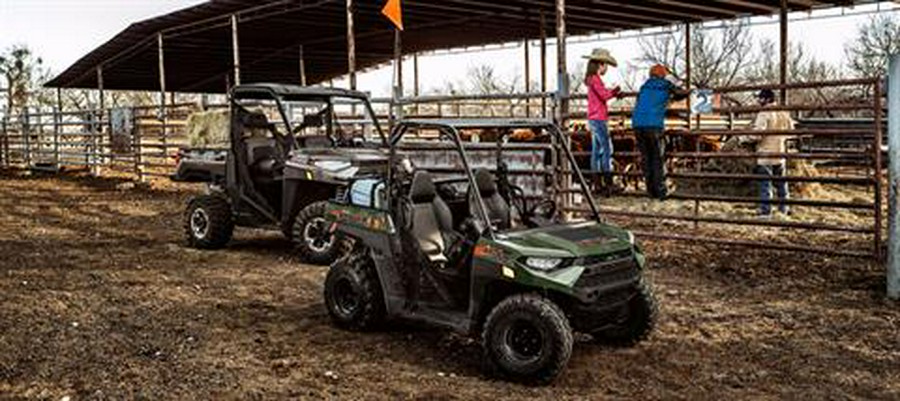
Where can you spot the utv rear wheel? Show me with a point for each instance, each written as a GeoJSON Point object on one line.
{"type": "Point", "coordinates": [353, 293]}
{"type": "Point", "coordinates": [208, 223]}
{"type": "Point", "coordinates": [311, 237]}
{"type": "Point", "coordinates": [637, 324]}
{"type": "Point", "coordinates": [527, 338]}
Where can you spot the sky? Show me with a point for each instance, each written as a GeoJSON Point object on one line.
{"type": "Point", "coordinates": [62, 31]}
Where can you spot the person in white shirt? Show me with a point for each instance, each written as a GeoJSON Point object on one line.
{"type": "Point", "coordinates": [773, 167]}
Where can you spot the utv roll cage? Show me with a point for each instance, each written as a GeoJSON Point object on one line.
{"type": "Point", "coordinates": [281, 93]}
{"type": "Point", "coordinates": [241, 184]}
{"type": "Point", "coordinates": [450, 129]}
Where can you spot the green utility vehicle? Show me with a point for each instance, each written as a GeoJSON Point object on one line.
{"type": "Point", "coordinates": [475, 254]}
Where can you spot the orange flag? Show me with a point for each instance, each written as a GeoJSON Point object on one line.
{"type": "Point", "coordinates": [394, 12]}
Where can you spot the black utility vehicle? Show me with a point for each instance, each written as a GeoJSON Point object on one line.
{"type": "Point", "coordinates": [291, 150]}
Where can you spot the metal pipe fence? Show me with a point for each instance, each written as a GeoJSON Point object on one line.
{"type": "Point", "coordinates": [840, 158]}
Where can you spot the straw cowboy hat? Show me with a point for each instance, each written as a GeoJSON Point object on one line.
{"type": "Point", "coordinates": [603, 56]}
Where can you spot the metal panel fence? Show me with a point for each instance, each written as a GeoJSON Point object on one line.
{"type": "Point", "coordinates": [840, 150]}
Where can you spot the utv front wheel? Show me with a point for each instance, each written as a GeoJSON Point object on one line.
{"type": "Point", "coordinates": [527, 338]}
{"type": "Point", "coordinates": [208, 223]}
{"type": "Point", "coordinates": [311, 237]}
{"type": "Point", "coordinates": [637, 323]}
{"type": "Point", "coordinates": [353, 293]}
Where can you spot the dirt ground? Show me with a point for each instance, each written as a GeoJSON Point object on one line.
{"type": "Point", "coordinates": [100, 300]}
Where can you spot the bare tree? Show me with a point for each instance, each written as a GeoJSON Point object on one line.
{"type": "Point", "coordinates": [719, 55]}
{"type": "Point", "coordinates": [801, 67]}
{"type": "Point", "coordinates": [484, 80]}
{"type": "Point", "coordinates": [23, 72]}
{"type": "Point", "coordinates": [875, 42]}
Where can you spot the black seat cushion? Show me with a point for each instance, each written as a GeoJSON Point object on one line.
{"type": "Point", "coordinates": [496, 207]}
{"type": "Point", "coordinates": [256, 120]}
{"type": "Point", "coordinates": [431, 220]}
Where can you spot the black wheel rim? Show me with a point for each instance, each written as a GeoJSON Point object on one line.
{"type": "Point", "coordinates": [523, 341]}
{"type": "Point", "coordinates": [345, 297]}
{"type": "Point", "coordinates": [316, 235]}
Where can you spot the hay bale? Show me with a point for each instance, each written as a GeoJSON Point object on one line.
{"type": "Point", "coordinates": [208, 128]}
{"type": "Point", "coordinates": [729, 187]}
{"type": "Point", "coordinates": [811, 190]}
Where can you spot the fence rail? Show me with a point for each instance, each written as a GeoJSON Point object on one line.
{"type": "Point", "coordinates": [845, 151]}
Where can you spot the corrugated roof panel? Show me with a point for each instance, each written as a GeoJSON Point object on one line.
{"type": "Point", "coordinates": [198, 50]}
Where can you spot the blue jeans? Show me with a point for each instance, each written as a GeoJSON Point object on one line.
{"type": "Point", "coordinates": [601, 147]}
{"type": "Point", "coordinates": [765, 189]}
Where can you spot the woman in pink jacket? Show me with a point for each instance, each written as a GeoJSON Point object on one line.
{"type": "Point", "coordinates": [598, 117]}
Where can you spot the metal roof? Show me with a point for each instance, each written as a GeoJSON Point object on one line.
{"type": "Point", "coordinates": [198, 49]}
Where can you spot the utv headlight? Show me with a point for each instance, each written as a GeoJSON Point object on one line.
{"type": "Point", "coordinates": [543, 264]}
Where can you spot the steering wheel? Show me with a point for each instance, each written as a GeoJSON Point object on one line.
{"type": "Point", "coordinates": [545, 209]}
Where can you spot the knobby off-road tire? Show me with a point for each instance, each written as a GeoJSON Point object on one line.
{"type": "Point", "coordinates": [640, 322]}
{"type": "Point", "coordinates": [527, 338]}
{"type": "Point", "coordinates": [353, 293]}
{"type": "Point", "coordinates": [307, 234]}
{"type": "Point", "coordinates": [208, 222]}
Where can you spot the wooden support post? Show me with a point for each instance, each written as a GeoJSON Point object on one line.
{"type": "Point", "coordinates": [100, 88]}
{"type": "Point", "coordinates": [351, 46]}
{"type": "Point", "coordinates": [58, 120]}
{"type": "Point", "coordinates": [562, 71]}
{"type": "Point", "coordinates": [162, 73]}
{"type": "Point", "coordinates": [302, 67]}
{"type": "Point", "coordinates": [96, 159]}
{"type": "Point", "coordinates": [398, 75]}
{"type": "Point", "coordinates": [562, 97]}
{"type": "Point", "coordinates": [783, 72]}
{"type": "Point", "coordinates": [57, 130]}
{"type": "Point", "coordinates": [137, 145]}
{"type": "Point", "coordinates": [416, 80]}
{"type": "Point", "coordinates": [688, 84]}
{"type": "Point", "coordinates": [527, 77]}
{"type": "Point", "coordinates": [236, 49]}
{"type": "Point", "coordinates": [543, 64]}
{"type": "Point", "coordinates": [688, 48]}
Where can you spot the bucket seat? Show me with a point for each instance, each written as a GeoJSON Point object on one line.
{"type": "Point", "coordinates": [261, 151]}
{"type": "Point", "coordinates": [430, 218]}
{"type": "Point", "coordinates": [497, 208]}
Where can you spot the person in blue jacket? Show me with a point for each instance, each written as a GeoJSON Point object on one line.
{"type": "Point", "coordinates": [649, 123]}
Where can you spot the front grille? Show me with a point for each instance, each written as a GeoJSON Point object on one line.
{"type": "Point", "coordinates": [591, 261]}
{"type": "Point", "coordinates": [596, 279]}
{"type": "Point", "coordinates": [610, 269]}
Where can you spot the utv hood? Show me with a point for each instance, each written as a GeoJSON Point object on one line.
{"type": "Point", "coordinates": [573, 240]}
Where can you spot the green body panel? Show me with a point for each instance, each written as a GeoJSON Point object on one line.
{"type": "Point", "coordinates": [360, 218]}
{"type": "Point", "coordinates": [555, 241]}
{"type": "Point", "coordinates": [503, 259]}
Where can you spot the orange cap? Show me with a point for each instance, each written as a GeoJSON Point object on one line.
{"type": "Point", "coordinates": [659, 70]}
